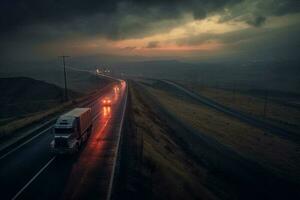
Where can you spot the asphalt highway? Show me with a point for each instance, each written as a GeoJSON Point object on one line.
{"type": "Point", "coordinates": [32, 171]}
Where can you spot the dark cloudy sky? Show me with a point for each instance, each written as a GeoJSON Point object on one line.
{"type": "Point", "coordinates": [177, 29]}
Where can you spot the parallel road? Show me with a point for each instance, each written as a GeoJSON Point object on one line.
{"type": "Point", "coordinates": [249, 179]}
{"type": "Point", "coordinates": [234, 113]}
{"type": "Point", "coordinates": [32, 171]}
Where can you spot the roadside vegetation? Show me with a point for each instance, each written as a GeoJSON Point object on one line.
{"type": "Point", "coordinates": [15, 125]}
{"type": "Point", "coordinates": [26, 101]}
{"type": "Point", "coordinates": [278, 108]}
{"type": "Point", "coordinates": [166, 171]}
{"type": "Point", "coordinates": [280, 155]}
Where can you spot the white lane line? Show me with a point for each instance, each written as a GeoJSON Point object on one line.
{"type": "Point", "coordinates": [29, 140]}
{"type": "Point", "coordinates": [33, 178]}
{"type": "Point", "coordinates": [43, 168]}
{"type": "Point", "coordinates": [97, 115]}
{"type": "Point", "coordinates": [110, 186]}
{"type": "Point", "coordinates": [16, 148]}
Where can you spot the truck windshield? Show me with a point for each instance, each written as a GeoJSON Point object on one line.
{"type": "Point", "coordinates": [64, 130]}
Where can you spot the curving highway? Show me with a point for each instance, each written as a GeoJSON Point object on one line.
{"type": "Point", "coordinates": [31, 171]}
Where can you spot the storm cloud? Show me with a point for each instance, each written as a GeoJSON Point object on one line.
{"type": "Point", "coordinates": [31, 28]}
{"type": "Point", "coordinates": [129, 18]}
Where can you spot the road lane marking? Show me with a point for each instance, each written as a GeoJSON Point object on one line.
{"type": "Point", "coordinates": [91, 103]}
{"type": "Point", "coordinates": [44, 131]}
{"type": "Point", "coordinates": [43, 168]}
{"type": "Point", "coordinates": [110, 186]}
{"type": "Point", "coordinates": [98, 114]}
{"type": "Point", "coordinates": [51, 160]}
{"type": "Point", "coordinates": [33, 178]}
{"type": "Point", "coordinates": [29, 140]}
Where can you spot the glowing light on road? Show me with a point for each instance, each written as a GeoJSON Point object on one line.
{"type": "Point", "coordinates": [106, 101]}
{"type": "Point", "coordinates": [106, 111]}
{"type": "Point", "coordinates": [116, 93]}
{"type": "Point", "coordinates": [91, 159]}
{"type": "Point", "coordinates": [116, 89]}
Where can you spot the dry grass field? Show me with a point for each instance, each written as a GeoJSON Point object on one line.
{"type": "Point", "coordinates": [280, 155]}
{"type": "Point", "coordinates": [169, 173]}
{"type": "Point", "coordinates": [15, 125]}
{"type": "Point", "coordinates": [279, 114]}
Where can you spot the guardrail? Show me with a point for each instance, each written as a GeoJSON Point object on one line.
{"type": "Point", "coordinates": [116, 162]}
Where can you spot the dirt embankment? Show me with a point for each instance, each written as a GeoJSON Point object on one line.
{"type": "Point", "coordinates": [156, 163]}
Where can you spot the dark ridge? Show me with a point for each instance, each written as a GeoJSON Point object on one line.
{"type": "Point", "coordinates": [23, 95]}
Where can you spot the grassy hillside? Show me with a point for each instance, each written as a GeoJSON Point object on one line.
{"type": "Point", "coordinates": [21, 96]}
{"type": "Point", "coordinates": [26, 101]}
{"type": "Point", "coordinates": [158, 162]}
{"type": "Point", "coordinates": [281, 109]}
{"type": "Point", "coordinates": [272, 75]}
{"type": "Point", "coordinates": [278, 154]}
{"type": "Point", "coordinates": [52, 72]}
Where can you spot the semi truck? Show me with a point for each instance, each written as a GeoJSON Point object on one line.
{"type": "Point", "coordinates": [71, 130]}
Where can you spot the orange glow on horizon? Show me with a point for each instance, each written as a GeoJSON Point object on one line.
{"type": "Point", "coordinates": [166, 43]}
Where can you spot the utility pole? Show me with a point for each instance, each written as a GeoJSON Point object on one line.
{"type": "Point", "coordinates": [65, 76]}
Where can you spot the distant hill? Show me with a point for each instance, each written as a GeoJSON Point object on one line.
{"type": "Point", "coordinates": [79, 81]}
{"type": "Point", "coordinates": [22, 95]}
{"type": "Point", "coordinates": [280, 75]}
{"type": "Point", "coordinates": [52, 72]}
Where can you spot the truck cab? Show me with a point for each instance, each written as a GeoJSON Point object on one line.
{"type": "Point", "coordinates": [71, 130]}
{"type": "Point", "coordinates": [65, 132]}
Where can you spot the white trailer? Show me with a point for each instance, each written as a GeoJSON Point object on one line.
{"type": "Point", "coordinates": [72, 130]}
